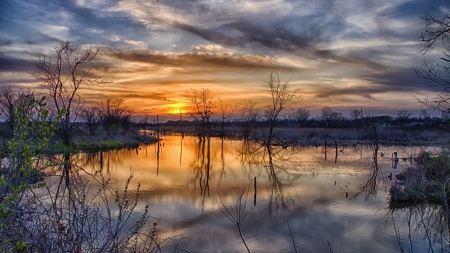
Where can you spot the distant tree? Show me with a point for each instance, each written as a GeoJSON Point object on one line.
{"type": "Point", "coordinates": [403, 116]}
{"type": "Point", "coordinates": [63, 72]}
{"type": "Point", "coordinates": [301, 115]}
{"type": "Point", "coordinates": [326, 113]}
{"type": "Point", "coordinates": [92, 117]}
{"type": "Point", "coordinates": [249, 118]}
{"type": "Point", "coordinates": [225, 111]}
{"type": "Point", "coordinates": [356, 114]}
{"type": "Point", "coordinates": [201, 111]}
{"type": "Point", "coordinates": [115, 116]}
{"type": "Point", "coordinates": [425, 115]}
{"type": "Point", "coordinates": [329, 116]}
{"type": "Point", "coordinates": [436, 75]}
{"type": "Point", "coordinates": [281, 98]}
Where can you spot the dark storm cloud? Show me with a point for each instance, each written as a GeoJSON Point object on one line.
{"type": "Point", "coordinates": [398, 80]}
{"type": "Point", "coordinates": [38, 38]}
{"type": "Point", "coordinates": [18, 83]}
{"type": "Point", "coordinates": [5, 42]}
{"type": "Point", "coordinates": [362, 91]}
{"type": "Point", "coordinates": [14, 64]}
{"type": "Point", "coordinates": [272, 38]}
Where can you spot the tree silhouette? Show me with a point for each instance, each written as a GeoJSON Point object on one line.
{"type": "Point", "coordinates": [436, 75]}
{"type": "Point", "coordinates": [281, 98]}
{"type": "Point", "coordinates": [63, 72]}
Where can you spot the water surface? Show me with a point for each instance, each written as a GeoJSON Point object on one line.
{"type": "Point", "coordinates": [326, 200]}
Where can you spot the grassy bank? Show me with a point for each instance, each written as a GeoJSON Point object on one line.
{"type": "Point", "coordinates": [93, 143]}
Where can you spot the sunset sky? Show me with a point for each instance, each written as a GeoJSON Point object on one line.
{"type": "Point", "coordinates": [344, 54]}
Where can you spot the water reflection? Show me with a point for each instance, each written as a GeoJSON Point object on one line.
{"type": "Point", "coordinates": [181, 179]}
{"type": "Point", "coordinates": [370, 187]}
{"type": "Point", "coordinates": [277, 198]}
{"type": "Point", "coordinates": [201, 167]}
{"type": "Point", "coordinates": [420, 221]}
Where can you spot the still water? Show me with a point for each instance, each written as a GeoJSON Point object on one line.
{"type": "Point", "coordinates": [317, 200]}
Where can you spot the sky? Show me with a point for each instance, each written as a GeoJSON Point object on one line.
{"type": "Point", "coordinates": [345, 54]}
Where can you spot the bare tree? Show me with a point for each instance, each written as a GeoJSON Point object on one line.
{"type": "Point", "coordinates": [63, 73]}
{"type": "Point", "coordinates": [328, 115]}
{"type": "Point", "coordinates": [356, 114]}
{"type": "Point", "coordinates": [91, 116]}
{"type": "Point", "coordinates": [435, 30]}
{"type": "Point", "coordinates": [281, 98]}
{"type": "Point", "coordinates": [201, 110]}
{"type": "Point", "coordinates": [115, 116]}
{"type": "Point", "coordinates": [301, 115]}
{"type": "Point", "coordinates": [436, 75]}
{"type": "Point", "coordinates": [403, 116]}
{"type": "Point", "coordinates": [424, 114]}
{"type": "Point", "coordinates": [249, 118]}
{"type": "Point", "coordinates": [225, 113]}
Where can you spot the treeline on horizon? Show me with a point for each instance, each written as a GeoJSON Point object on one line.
{"type": "Point", "coordinates": [336, 120]}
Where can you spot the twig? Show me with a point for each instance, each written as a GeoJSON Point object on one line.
{"type": "Point", "coordinates": [292, 237]}
{"type": "Point", "coordinates": [397, 236]}
{"type": "Point", "coordinates": [237, 214]}
{"type": "Point", "coordinates": [425, 227]}
{"type": "Point", "coordinates": [329, 246]}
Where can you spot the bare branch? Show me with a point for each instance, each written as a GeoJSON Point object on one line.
{"type": "Point", "coordinates": [63, 72]}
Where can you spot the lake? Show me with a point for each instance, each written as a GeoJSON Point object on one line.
{"type": "Point", "coordinates": [296, 195]}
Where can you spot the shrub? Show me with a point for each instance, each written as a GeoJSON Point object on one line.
{"type": "Point", "coordinates": [69, 211]}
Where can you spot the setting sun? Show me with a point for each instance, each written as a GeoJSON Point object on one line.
{"type": "Point", "coordinates": [177, 108]}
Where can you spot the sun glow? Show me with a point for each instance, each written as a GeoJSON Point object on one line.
{"type": "Point", "coordinates": [177, 108]}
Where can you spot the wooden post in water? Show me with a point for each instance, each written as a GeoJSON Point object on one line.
{"type": "Point", "coordinates": [325, 149]}
{"type": "Point", "coordinates": [335, 145]}
{"type": "Point", "coordinates": [101, 161]}
{"type": "Point", "coordinates": [181, 123]}
{"type": "Point", "coordinates": [254, 186]}
{"type": "Point", "coordinates": [158, 145]}
{"type": "Point", "coordinates": [157, 126]}
{"type": "Point", "coordinates": [395, 160]}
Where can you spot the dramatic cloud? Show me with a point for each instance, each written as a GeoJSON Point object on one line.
{"type": "Point", "coordinates": [333, 52]}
